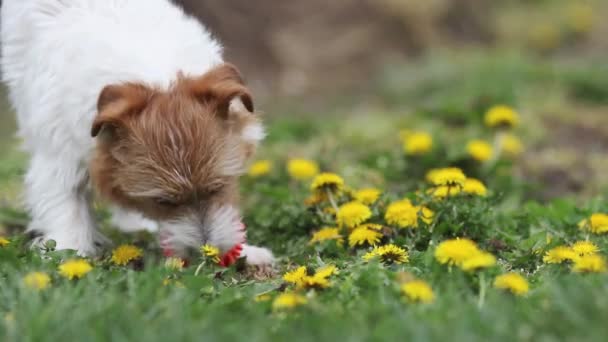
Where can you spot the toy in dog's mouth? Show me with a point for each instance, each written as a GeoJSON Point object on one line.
{"type": "Point", "coordinates": [229, 258]}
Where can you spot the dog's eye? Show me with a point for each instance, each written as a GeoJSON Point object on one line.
{"type": "Point", "coordinates": [215, 190]}
{"type": "Point", "coordinates": [165, 202]}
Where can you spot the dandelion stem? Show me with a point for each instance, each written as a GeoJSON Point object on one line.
{"type": "Point", "coordinates": [498, 142]}
{"type": "Point", "coordinates": [482, 290]}
{"type": "Point", "coordinates": [199, 268]}
{"type": "Point", "coordinates": [331, 200]}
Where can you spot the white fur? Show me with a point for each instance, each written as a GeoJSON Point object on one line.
{"type": "Point", "coordinates": [129, 221]}
{"type": "Point", "coordinates": [258, 256]}
{"type": "Point", "coordinates": [231, 161]}
{"type": "Point", "coordinates": [225, 229]}
{"type": "Point", "coordinates": [57, 55]}
{"type": "Point", "coordinates": [253, 133]}
{"type": "Point", "coordinates": [181, 234]}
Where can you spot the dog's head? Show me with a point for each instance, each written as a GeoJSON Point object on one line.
{"type": "Point", "coordinates": [176, 155]}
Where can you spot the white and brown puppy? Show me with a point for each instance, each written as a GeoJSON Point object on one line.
{"type": "Point", "coordinates": [134, 98]}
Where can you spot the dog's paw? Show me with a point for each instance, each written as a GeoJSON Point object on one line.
{"type": "Point", "coordinates": [83, 247]}
{"type": "Point", "coordinates": [259, 262]}
{"type": "Point", "coordinates": [257, 256]}
{"type": "Point", "coordinates": [39, 243]}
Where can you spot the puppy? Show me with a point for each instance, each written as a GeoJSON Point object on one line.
{"type": "Point", "coordinates": [132, 99]}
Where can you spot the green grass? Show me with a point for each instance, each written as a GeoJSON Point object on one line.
{"type": "Point", "coordinates": [364, 302]}
{"type": "Point", "coordinates": [446, 98]}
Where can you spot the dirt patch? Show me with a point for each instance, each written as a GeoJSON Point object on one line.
{"type": "Point", "coordinates": [571, 159]}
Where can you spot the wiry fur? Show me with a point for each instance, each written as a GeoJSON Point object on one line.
{"type": "Point", "coordinates": [174, 124]}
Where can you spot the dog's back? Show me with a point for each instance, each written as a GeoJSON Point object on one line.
{"type": "Point", "coordinates": [133, 98]}
{"type": "Point", "coordinates": [57, 55]}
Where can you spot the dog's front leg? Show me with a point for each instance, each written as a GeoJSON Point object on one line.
{"type": "Point", "coordinates": [59, 203]}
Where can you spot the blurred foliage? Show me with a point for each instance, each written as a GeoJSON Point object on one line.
{"type": "Point", "coordinates": [589, 84]}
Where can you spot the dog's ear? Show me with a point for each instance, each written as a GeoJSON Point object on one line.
{"type": "Point", "coordinates": [117, 102]}
{"type": "Point", "coordinates": [223, 87]}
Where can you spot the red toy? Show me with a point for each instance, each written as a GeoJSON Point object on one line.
{"type": "Point", "coordinates": [225, 261]}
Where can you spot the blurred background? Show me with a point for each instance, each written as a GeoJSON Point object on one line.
{"type": "Point", "coordinates": [310, 48]}
{"type": "Point", "coordinates": [340, 75]}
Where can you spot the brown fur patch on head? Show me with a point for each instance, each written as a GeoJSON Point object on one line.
{"type": "Point", "coordinates": [174, 152]}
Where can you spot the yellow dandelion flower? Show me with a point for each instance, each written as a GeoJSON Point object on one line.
{"type": "Point", "coordinates": [418, 291]}
{"type": "Point", "coordinates": [367, 196]}
{"type": "Point", "coordinates": [426, 214]}
{"type": "Point", "coordinates": [174, 264]}
{"type": "Point", "coordinates": [314, 282]}
{"type": "Point", "coordinates": [302, 169]}
{"type": "Point", "coordinates": [477, 261]}
{"type": "Point", "coordinates": [211, 252]}
{"type": "Point", "coordinates": [315, 199]}
{"type": "Point", "coordinates": [4, 242]}
{"type": "Point", "coordinates": [559, 254]}
{"type": "Point", "coordinates": [513, 282]}
{"type": "Point", "coordinates": [264, 297]}
{"type": "Point", "coordinates": [326, 234]}
{"type": "Point", "coordinates": [584, 224]}
{"type": "Point", "coordinates": [585, 248]}
{"type": "Point", "coordinates": [123, 254]}
{"type": "Point", "coordinates": [474, 187]}
{"type": "Point", "coordinates": [455, 251]}
{"type": "Point", "coordinates": [327, 181]}
{"type": "Point", "coordinates": [597, 223]}
{"type": "Point", "coordinates": [288, 300]}
{"type": "Point", "coordinates": [511, 145]}
{"type": "Point", "coordinates": [479, 150]}
{"type": "Point", "coordinates": [443, 191]}
{"type": "Point", "coordinates": [449, 176]}
{"type": "Point", "coordinates": [372, 226]}
{"type": "Point", "coordinates": [501, 116]}
{"type": "Point", "coordinates": [319, 279]}
{"type": "Point", "coordinates": [417, 143]}
{"type": "Point", "coordinates": [582, 18]}
{"type": "Point", "coordinates": [592, 263]}
{"type": "Point", "coordinates": [37, 280]}
{"type": "Point", "coordinates": [388, 254]}
{"type": "Point", "coordinates": [302, 279]}
{"type": "Point", "coordinates": [260, 168]}
{"type": "Point", "coordinates": [75, 269]}
{"type": "Point", "coordinates": [352, 214]}
{"type": "Point", "coordinates": [371, 254]}
{"type": "Point", "coordinates": [326, 271]}
{"type": "Point", "coordinates": [363, 235]}
{"type": "Point", "coordinates": [545, 36]}
{"type": "Point", "coordinates": [431, 175]}
{"type": "Point", "coordinates": [296, 276]}
{"type": "Point", "coordinates": [402, 214]}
